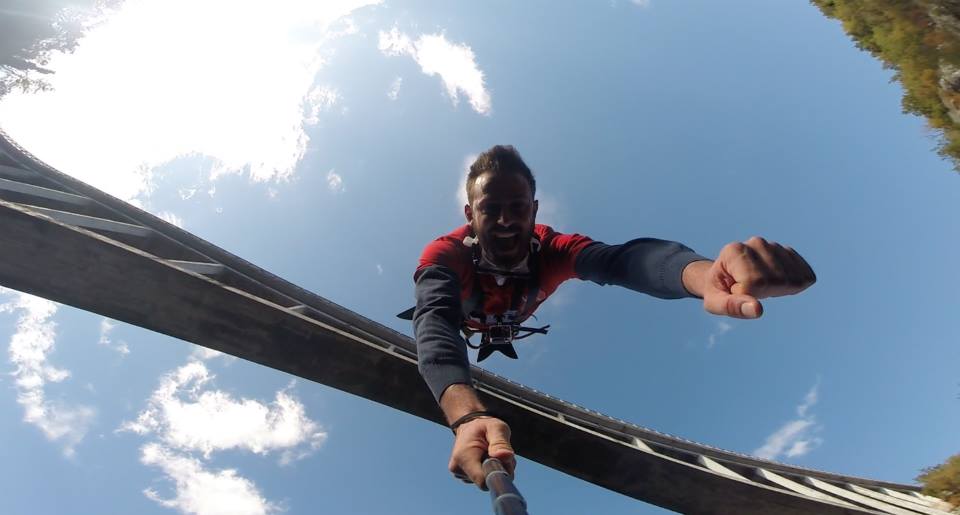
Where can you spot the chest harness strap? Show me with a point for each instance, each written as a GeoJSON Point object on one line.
{"type": "Point", "coordinates": [500, 335]}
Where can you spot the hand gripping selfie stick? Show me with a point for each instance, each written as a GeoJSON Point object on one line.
{"type": "Point", "coordinates": [506, 498]}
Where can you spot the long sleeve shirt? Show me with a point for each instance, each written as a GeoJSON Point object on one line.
{"type": "Point", "coordinates": [445, 280]}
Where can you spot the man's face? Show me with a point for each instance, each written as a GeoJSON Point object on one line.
{"type": "Point", "coordinates": [502, 216]}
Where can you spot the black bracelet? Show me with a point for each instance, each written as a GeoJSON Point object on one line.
{"type": "Point", "coordinates": [468, 417]}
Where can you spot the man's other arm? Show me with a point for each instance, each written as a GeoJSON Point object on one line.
{"type": "Point", "coordinates": [441, 351]}
{"type": "Point", "coordinates": [443, 363]}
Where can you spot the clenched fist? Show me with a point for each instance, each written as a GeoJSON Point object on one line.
{"type": "Point", "coordinates": [745, 272]}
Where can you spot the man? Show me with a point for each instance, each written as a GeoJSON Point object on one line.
{"type": "Point", "coordinates": [491, 274]}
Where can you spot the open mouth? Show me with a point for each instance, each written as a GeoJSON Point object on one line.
{"type": "Point", "coordinates": [505, 240]}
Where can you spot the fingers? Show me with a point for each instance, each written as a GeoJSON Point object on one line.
{"type": "Point", "coordinates": [792, 273]}
{"type": "Point", "coordinates": [466, 458]}
{"type": "Point", "coordinates": [749, 268]}
{"type": "Point", "coordinates": [472, 466]}
{"type": "Point", "coordinates": [760, 268]}
{"type": "Point", "coordinates": [745, 272]}
{"type": "Point", "coordinates": [475, 441]}
{"type": "Point", "coordinates": [806, 275]}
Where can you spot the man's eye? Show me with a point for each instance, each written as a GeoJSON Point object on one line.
{"type": "Point", "coordinates": [520, 207]}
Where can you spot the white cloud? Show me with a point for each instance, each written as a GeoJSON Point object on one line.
{"type": "Point", "coordinates": [462, 187]}
{"type": "Point", "coordinates": [237, 84]}
{"type": "Point", "coordinates": [723, 327]}
{"type": "Point", "coordinates": [379, 269]}
{"type": "Point", "coordinates": [796, 437]}
{"type": "Point", "coordinates": [335, 182]}
{"type": "Point", "coordinates": [30, 347]}
{"type": "Point", "coordinates": [394, 92]}
{"type": "Point", "coordinates": [455, 64]}
{"type": "Point", "coordinates": [187, 193]}
{"type": "Point", "coordinates": [320, 99]}
{"type": "Point", "coordinates": [190, 421]}
{"type": "Point", "coordinates": [185, 415]}
{"type": "Point", "coordinates": [171, 218]}
{"type": "Point", "coordinates": [205, 353]}
{"type": "Point", "coordinates": [201, 491]}
{"type": "Point", "coordinates": [801, 447]}
{"type": "Point", "coordinates": [641, 3]}
{"type": "Point", "coordinates": [809, 400]}
{"type": "Point", "coordinates": [107, 327]}
{"type": "Point", "coordinates": [396, 43]}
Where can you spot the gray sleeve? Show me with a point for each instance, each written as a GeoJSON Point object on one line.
{"type": "Point", "coordinates": [441, 351]}
{"type": "Point", "coordinates": [646, 265]}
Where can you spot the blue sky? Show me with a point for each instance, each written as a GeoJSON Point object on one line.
{"type": "Point", "coordinates": [327, 144]}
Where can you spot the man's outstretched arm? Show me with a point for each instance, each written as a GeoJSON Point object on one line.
{"type": "Point", "coordinates": [731, 285]}
{"type": "Point", "coordinates": [442, 358]}
{"type": "Point", "coordinates": [647, 265]}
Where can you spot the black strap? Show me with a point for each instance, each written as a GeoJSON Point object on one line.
{"type": "Point", "coordinates": [468, 417]}
{"type": "Point", "coordinates": [530, 331]}
{"type": "Point", "coordinates": [533, 286]}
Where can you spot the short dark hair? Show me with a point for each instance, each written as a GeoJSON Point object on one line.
{"type": "Point", "coordinates": [499, 158]}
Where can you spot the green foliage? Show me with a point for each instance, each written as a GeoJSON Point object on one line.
{"type": "Point", "coordinates": [918, 39]}
{"type": "Point", "coordinates": [943, 481]}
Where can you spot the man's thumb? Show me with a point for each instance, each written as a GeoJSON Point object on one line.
{"type": "Point", "coordinates": [498, 442]}
{"type": "Point", "coordinates": [499, 447]}
{"type": "Point", "coordinates": [733, 305]}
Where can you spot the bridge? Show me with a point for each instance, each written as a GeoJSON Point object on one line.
{"type": "Point", "coordinates": [68, 242]}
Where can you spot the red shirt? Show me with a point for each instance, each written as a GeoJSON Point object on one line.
{"type": "Point", "coordinates": [555, 264]}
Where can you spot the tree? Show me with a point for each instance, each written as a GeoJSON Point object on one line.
{"type": "Point", "coordinates": [33, 30]}
{"type": "Point", "coordinates": [943, 480]}
{"type": "Point", "coordinates": [920, 41]}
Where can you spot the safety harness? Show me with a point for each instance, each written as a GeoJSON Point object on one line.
{"type": "Point", "coordinates": [498, 332]}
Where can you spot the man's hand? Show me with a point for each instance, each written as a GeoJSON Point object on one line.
{"type": "Point", "coordinates": [746, 272]}
{"type": "Point", "coordinates": [476, 440]}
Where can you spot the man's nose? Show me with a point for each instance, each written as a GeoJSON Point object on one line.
{"type": "Point", "coordinates": [505, 218]}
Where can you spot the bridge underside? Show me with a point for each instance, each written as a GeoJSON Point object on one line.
{"type": "Point", "coordinates": [68, 242]}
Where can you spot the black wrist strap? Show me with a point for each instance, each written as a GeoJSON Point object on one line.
{"type": "Point", "coordinates": [468, 417]}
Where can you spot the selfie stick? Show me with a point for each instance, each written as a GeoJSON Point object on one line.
{"type": "Point", "coordinates": [506, 498]}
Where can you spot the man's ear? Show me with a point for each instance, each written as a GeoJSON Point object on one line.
{"type": "Point", "coordinates": [468, 212]}
{"type": "Point", "coordinates": [536, 205]}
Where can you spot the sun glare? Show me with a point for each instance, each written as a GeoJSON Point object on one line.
{"type": "Point", "coordinates": [166, 78]}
